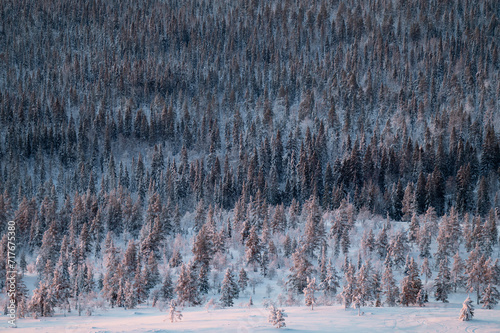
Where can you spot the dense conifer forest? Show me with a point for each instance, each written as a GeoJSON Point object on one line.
{"type": "Point", "coordinates": [345, 147]}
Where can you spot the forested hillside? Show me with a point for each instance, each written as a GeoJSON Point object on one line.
{"type": "Point", "coordinates": [145, 146]}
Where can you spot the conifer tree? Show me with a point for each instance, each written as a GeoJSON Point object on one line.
{"type": "Point", "coordinates": [203, 285]}
{"type": "Point", "coordinates": [364, 283]}
{"type": "Point", "coordinates": [398, 249]}
{"type": "Point", "coordinates": [349, 290]}
{"type": "Point", "coordinates": [139, 285]}
{"type": "Point", "coordinates": [456, 272]}
{"type": "Point", "coordinates": [426, 270]}
{"type": "Point", "coordinates": [309, 290]}
{"type": "Point", "coordinates": [299, 272]}
{"type": "Point", "coordinates": [176, 259]}
{"type": "Point", "coordinates": [253, 250]}
{"type": "Point", "coordinates": [60, 286]}
{"type": "Point", "coordinates": [408, 203]}
{"type": "Point", "coordinates": [203, 246]}
{"type": "Point", "coordinates": [130, 296]}
{"type": "Point", "coordinates": [167, 288]}
{"type": "Point", "coordinates": [410, 285]}
{"type": "Point", "coordinates": [277, 317]}
{"type": "Point", "coordinates": [490, 297]}
{"type": "Point", "coordinates": [151, 273]}
{"type": "Point", "coordinates": [21, 297]}
{"type": "Point", "coordinates": [467, 311]}
{"type": "Point", "coordinates": [389, 286]}
{"type": "Point", "coordinates": [229, 289]}
{"type": "Point", "coordinates": [475, 272]}
{"type": "Point", "coordinates": [442, 283]}
{"type": "Point", "coordinates": [42, 302]}
{"type": "Point", "coordinates": [330, 283]}
{"type": "Point", "coordinates": [130, 260]}
{"type": "Point", "coordinates": [382, 243]}
{"type": "Point", "coordinates": [314, 232]}
{"type": "Point", "coordinates": [489, 234]}
{"type": "Point", "coordinates": [200, 216]}
{"type": "Point", "coordinates": [111, 277]}
{"type": "Point", "coordinates": [242, 280]}
{"type": "Point", "coordinates": [414, 229]}
{"type": "Point", "coordinates": [187, 287]}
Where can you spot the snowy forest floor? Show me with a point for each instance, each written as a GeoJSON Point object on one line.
{"type": "Point", "coordinates": [434, 317]}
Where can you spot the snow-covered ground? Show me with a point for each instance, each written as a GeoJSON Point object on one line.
{"type": "Point", "coordinates": [435, 317]}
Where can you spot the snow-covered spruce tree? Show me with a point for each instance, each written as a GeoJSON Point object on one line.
{"type": "Point", "coordinates": [414, 229]}
{"type": "Point", "coordinates": [490, 297]}
{"type": "Point", "coordinates": [368, 242]}
{"type": "Point", "coordinates": [330, 283]}
{"type": "Point", "coordinates": [468, 232]}
{"type": "Point", "coordinates": [229, 289]}
{"type": "Point", "coordinates": [187, 285]}
{"type": "Point", "coordinates": [200, 216]}
{"type": "Point", "coordinates": [130, 296]}
{"type": "Point", "coordinates": [152, 230]}
{"type": "Point", "coordinates": [425, 270]}
{"type": "Point", "coordinates": [287, 246]}
{"type": "Point", "coordinates": [151, 274]}
{"type": "Point", "coordinates": [489, 234]}
{"type": "Point", "coordinates": [176, 259]}
{"type": "Point", "coordinates": [111, 278]}
{"type": "Point", "coordinates": [47, 251]}
{"type": "Point", "coordinates": [21, 297]}
{"type": "Point", "coordinates": [398, 249]}
{"type": "Point", "coordinates": [277, 317]}
{"type": "Point", "coordinates": [364, 291]}
{"type": "Point", "coordinates": [130, 260]}
{"type": "Point", "coordinates": [264, 261]}
{"type": "Point", "coordinates": [242, 280]}
{"type": "Point", "coordinates": [424, 241]}
{"type": "Point", "coordinates": [278, 222]}
{"type": "Point", "coordinates": [410, 285]}
{"type": "Point", "coordinates": [203, 285]}
{"type": "Point", "coordinates": [477, 231]}
{"type": "Point", "coordinates": [203, 246]}
{"type": "Point", "coordinates": [467, 311]}
{"type": "Point", "coordinates": [350, 289]}
{"type": "Point", "coordinates": [60, 286]}
{"type": "Point", "coordinates": [167, 288]}
{"type": "Point", "coordinates": [139, 284]}
{"type": "Point", "coordinates": [309, 297]}
{"type": "Point", "coordinates": [491, 225]}
{"type": "Point", "coordinates": [454, 231]}
{"type": "Point", "coordinates": [457, 279]}
{"type": "Point", "coordinates": [475, 272]}
{"type": "Point", "coordinates": [382, 243]}
{"type": "Point", "coordinates": [253, 249]}
{"type": "Point", "coordinates": [408, 202]}
{"type": "Point", "coordinates": [174, 314]}
{"type": "Point", "coordinates": [389, 286]}
{"type": "Point", "coordinates": [42, 302]}
{"type": "Point", "coordinates": [442, 283]}
{"type": "Point", "coordinates": [314, 233]}
{"type": "Point", "coordinates": [345, 242]}
{"type": "Point", "coordinates": [342, 224]}
{"type": "Point", "coordinates": [493, 274]}
{"type": "Point", "coordinates": [299, 272]}
{"type": "Point", "coordinates": [376, 288]}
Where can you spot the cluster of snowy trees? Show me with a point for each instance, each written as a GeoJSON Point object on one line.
{"type": "Point", "coordinates": [146, 147]}
{"type": "Point", "coordinates": [389, 268]}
